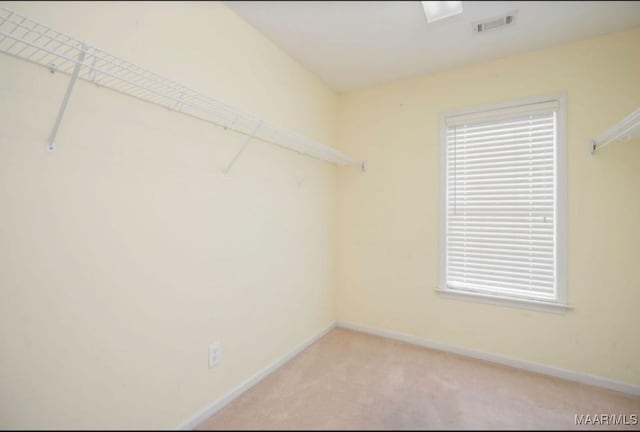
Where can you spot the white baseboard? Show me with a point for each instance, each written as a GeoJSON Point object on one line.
{"type": "Point", "coordinates": [220, 403]}
{"type": "Point", "coordinates": [598, 381]}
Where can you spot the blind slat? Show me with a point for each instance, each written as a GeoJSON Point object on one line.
{"type": "Point", "coordinates": [523, 126]}
{"type": "Point", "coordinates": [501, 259]}
{"type": "Point", "coordinates": [504, 147]}
{"type": "Point", "coordinates": [515, 122]}
{"type": "Point", "coordinates": [519, 267]}
{"type": "Point", "coordinates": [500, 252]}
{"type": "Point", "coordinates": [498, 142]}
{"type": "Point", "coordinates": [511, 283]}
{"type": "Point", "coordinates": [486, 272]}
{"type": "Point", "coordinates": [515, 292]}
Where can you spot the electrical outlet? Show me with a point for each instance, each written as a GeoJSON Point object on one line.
{"type": "Point", "coordinates": [214, 354]}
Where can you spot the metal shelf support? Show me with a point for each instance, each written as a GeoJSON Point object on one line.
{"type": "Point", "coordinates": [52, 138]}
{"type": "Point", "coordinates": [244, 146]}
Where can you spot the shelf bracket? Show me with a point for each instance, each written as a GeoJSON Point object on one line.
{"type": "Point", "coordinates": [52, 139]}
{"type": "Point", "coordinates": [93, 72]}
{"type": "Point", "coordinates": [244, 146]}
{"type": "Point", "coordinates": [624, 130]}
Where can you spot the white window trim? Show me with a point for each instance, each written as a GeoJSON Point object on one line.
{"type": "Point", "coordinates": [560, 305]}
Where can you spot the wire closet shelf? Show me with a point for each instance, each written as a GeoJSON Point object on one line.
{"type": "Point", "coordinates": [27, 39]}
{"type": "Point", "coordinates": [626, 129]}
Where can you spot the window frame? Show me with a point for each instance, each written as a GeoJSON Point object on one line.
{"type": "Point", "coordinates": [559, 304]}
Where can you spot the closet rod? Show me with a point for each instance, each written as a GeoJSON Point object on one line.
{"type": "Point", "coordinates": [627, 128]}
{"type": "Point", "coordinates": [29, 40]}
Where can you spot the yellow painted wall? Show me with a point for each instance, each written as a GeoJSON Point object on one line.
{"type": "Point", "coordinates": [125, 252]}
{"type": "Point", "coordinates": [388, 250]}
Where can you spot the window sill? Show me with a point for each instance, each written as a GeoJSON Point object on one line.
{"type": "Point", "coordinates": [540, 306]}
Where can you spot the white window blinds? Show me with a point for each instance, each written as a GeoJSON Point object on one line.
{"type": "Point", "coordinates": [501, 202]}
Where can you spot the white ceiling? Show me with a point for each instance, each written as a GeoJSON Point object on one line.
{"type": "Point", "coordinates": [352, 44]}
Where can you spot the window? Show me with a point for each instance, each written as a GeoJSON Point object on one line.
{"type": "Point", "coordinates": [503, 202]}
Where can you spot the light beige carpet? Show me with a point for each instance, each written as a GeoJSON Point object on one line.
{"type": "Point", "coordinates": [350, 380]}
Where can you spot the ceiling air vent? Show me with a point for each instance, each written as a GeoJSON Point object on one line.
{"type": "Point", "coordinates": [494, 23]}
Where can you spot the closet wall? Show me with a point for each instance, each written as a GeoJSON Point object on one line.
{"type": "Point", "coordinates": [390, 220]}
{"type": "Point", "coordinates": [125, 252]}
